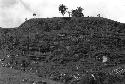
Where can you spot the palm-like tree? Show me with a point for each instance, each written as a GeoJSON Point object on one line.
{"type": "Point", "coordinates": [63, 9]}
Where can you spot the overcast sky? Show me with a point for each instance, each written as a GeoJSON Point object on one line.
{"type": "Point", "coordinates": [14, 12]}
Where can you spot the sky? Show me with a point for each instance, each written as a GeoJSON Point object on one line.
{"type": "Point", "coordinates": [14, 12]}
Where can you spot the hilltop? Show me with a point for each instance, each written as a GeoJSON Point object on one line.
{"type": "Point", "coordinates": [66, 49]}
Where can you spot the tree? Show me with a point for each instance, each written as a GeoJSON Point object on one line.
{"type": "Point", "coordinates": [34, 14]}
{"type": "Point", "coordinates": [79, 9]}
{"type": "Point", "coordinates": [98, 15]}
{"type": "Point", "coordinates": [25, 19]}
{"type": "Point", "coordinates": [77, 12]}
{"type": "Point", "coordinates": [63, 9]}
{"type": "Point", "coordinates": [69, 13]}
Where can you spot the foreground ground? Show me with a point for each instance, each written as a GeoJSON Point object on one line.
{"type": "Point", "coordinates": [12, 76]}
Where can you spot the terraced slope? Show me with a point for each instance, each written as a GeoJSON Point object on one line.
{"type": "Point", "coordinates": [67, 50]}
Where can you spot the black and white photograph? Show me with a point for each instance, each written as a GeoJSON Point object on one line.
{"type": "Point", "coordinates": [62, 41]}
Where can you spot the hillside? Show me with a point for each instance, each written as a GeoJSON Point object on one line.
{"type": "Point", "coordinates": [67, 50]}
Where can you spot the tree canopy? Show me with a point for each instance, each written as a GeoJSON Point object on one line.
{"type": "Point", "coordinates": [62, 9]}
{"type": "Point", "coordinates": [77, 12]}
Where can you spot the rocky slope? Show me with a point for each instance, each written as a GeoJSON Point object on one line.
{"type": "Point", "coordinates": [67, 50]}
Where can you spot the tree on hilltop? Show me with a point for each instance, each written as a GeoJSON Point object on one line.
{"type": "Point", "coordinates": [62, 9]}
{"type": "Point", "coordinates": [77, 12]}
